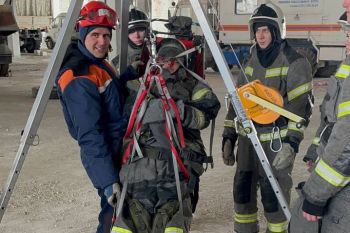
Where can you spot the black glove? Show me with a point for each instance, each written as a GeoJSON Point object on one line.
{"type": "Point", "coordinates": [311, 154]}
{"type": "Point", "coordinates": [228, 147]}
{"type": "Point", "coordinates": [228, 154]}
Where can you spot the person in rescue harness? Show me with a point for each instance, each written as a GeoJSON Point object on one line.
{"type": "Point", "coordinates": [328, 108]}
{"type": "Point", "coordinates": [326, 193]}
{"type": "Point", "coordinates": [279, 66]}
{"type": "Point", "coordinates": [92, 99]}
{"type": "Point", "coordinates": [153, 203]}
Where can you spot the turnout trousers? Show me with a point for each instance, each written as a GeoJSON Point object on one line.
{"type": "Point", "coordinates": [152, 189]}
{"type": "Point", "coordinates": [249, 176]}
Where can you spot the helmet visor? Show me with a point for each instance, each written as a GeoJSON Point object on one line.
{"type": "Point", "coordinates": [101, 16]}
{"type": "Point", "coordinates": [137, 29]}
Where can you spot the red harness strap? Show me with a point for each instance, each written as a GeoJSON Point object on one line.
{"type": "Point", "coordinates": [135, 122]}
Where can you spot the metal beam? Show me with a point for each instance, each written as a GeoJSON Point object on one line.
{"type": "Point", "coordinates": [38, 109]}
{"type": "Point", "coordinates": [122, 33]}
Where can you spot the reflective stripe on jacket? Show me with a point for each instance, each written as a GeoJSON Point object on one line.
{"type": "Point", "coordinates": [332, 172]}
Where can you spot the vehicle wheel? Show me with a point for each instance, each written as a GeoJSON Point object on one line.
{"type": "Point", "coordinates": [310, 56]}
{"type": "Point", "coordinates": [30, 46]}
{"type": "Point", "coordinates": [4, 69]}
{"type": "Point", "coordinates": [326, 71]}
{"type": "Point", "coordinates": [53, 94]}
{"type": "Point", "coordinates": [49, 43]}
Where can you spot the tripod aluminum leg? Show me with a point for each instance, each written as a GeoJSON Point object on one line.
{"type": "Point", "coordinates": [40, 102]}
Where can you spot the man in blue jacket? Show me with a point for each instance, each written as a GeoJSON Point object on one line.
{"type": "Point", "coordinates": [93, 102]}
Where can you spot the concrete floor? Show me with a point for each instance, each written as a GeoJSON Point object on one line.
{"type": "Point", "coordinates": [53, 193]}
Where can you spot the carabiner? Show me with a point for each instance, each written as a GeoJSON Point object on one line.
{"type": "Point", "coordinates": [275, 130]}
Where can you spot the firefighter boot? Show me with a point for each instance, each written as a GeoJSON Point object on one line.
{"type": "Point", "coordinates": [140, 216]}
{"type": "Point", "coordinates": [181, 221]}
{"type": "Point", "coordinates": [163, 215]}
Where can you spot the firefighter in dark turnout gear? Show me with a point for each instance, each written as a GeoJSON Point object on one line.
{"type": "Point", "coordinates": [326, 193]}
{"type": "Point", "coordinates": [138, 52]}
{"type": "Point", "coordinates": [276, 65]}
{"type": "Point", "coordinates": [92, 99]}
{"type": "Point", "coordinates": [151, 178]}
{"type": "Point", "coordinates": [138, 28]}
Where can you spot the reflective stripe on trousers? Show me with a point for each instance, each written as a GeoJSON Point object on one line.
{"type": "Point", "coordinates": [173, 230]}
{"type": "Point", "coordinates": [245, 218]}
{"type": "Point", "coordinates": [278, 227]}
{"type": "Point", "coordinates": [120, 230]}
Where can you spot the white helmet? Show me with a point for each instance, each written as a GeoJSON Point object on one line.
{"type": "Point", "coordinates": [270, 14]}
{"type": "Point", "coordinates": [343, 22]}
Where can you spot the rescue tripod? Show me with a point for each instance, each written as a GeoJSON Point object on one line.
{"type": "Point", "coordinates": [52, 70]}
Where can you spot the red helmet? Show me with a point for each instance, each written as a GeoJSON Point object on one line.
{"type": "Point", "coordinates": [96, 13]}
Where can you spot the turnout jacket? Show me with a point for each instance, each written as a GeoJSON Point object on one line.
{"type": "Point", "coordinates": [92, 99]}
{"type": "Point", "coordinates": [197, 104]}
{"type": "Point", "coordinates": [134, 54]}
{"type": "Point", "coordinates": [290, 74]}
{"type": "Point", "coordinates": [332, 172]}
{"type": "Point", "coordinates": [329, 111]}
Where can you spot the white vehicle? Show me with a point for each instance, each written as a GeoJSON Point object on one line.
{"type": "Point", "coordinates": [311, 28]}
{"type": "Point", "coordinates": [53, 30]}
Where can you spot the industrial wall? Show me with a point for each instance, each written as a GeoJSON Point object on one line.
{"type": "Point", "coordinates": [33, 7]}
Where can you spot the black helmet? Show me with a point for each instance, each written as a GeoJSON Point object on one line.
{"type": "Point", "coordinates": [137, 19]}
{"type": "Point", "coordinates": [170, 48]}
{"type": "Point", "coordinates": [269, 14]}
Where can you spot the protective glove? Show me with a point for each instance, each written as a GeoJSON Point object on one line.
{"type": "Point", "coordinates": [311, 156]}
{"type": "Point", "coordinates": [112, 194]}
{"type": "Point", "coordinates": [228, 154]}
{"type": "Point", "coordinates": [136, 64]}
{"type": "Point", "coordinates": [284, 158]}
